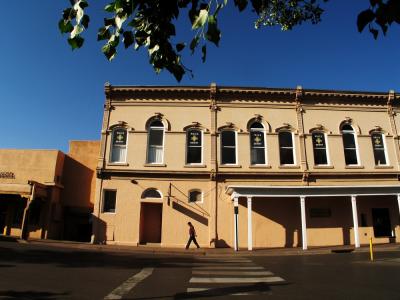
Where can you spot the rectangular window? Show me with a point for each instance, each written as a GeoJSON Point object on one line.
{"type": "Point", "coordinates": [286, 148]}
{"type": "Point", "coordinates": [109, 200]}
{"type": "Point", "coordinates": [257, 144]}
{"type": "Point", "coordinates": [194, 147]}
{"type": "Point", "coordinates": [350, 149]}
{"type": "Point", "coordinates": [118, 150]}
{"type": "Point", "coordinates": [228, 151]}
{"type": "Point", "coordinates": [379, 149]}
{"type": "Point", "coordinates": [156, 143]}
{"type": "Point", "coordinates": [319, 146]}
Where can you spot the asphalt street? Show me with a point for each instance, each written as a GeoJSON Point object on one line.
{"type": "Point", "coordinates": [42, 271]}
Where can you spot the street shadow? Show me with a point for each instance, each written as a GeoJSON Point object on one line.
{"type": "Point", "coordinates": [219, 243]}
{"type": "Point", "coordinates": [29, 295]}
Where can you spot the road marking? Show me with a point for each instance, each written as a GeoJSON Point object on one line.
{"type": "Point", "coordinates": [239, 260]}
{"type": "Point", "coordinates": [128, 285]}
{"type": "Point", "coordinates": [214, 272]}
{"type": "Point", "coordinates": [203, 264]}
{"type": "Point", "coordinates": [199, 290]}
{"type": "Point", "coordinates": [228, 268]}
{"type": "Point", "coordinates": [235, 280]}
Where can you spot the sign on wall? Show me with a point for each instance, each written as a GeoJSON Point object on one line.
{"type": "Point", "coordinates": [257, 139]}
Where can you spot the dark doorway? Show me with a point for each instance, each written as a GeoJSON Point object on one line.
{"type": "Point", "coordinates": [381, 222]}
{"type": "Point", "coordinates": [150, 223]}
{"type": "Point", "coordinates": [3, 214]}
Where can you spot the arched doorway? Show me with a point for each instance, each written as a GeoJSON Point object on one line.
{"type": "Point", "coordinates": [150, 217]}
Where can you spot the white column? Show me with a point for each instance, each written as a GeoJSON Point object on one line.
{"type": "Point", "coordinates": [355, 221]}
{"type": "Point", "coordinates": [235, 222]}
{"type": "Point", "coordinates": [249, 226]}
{"type": "Point", "coordinates": [303, 221]}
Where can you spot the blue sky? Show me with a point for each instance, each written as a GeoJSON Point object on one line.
{"type": "Point", "coordinates": [50, 94]}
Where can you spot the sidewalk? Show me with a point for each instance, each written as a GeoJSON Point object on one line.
{"type": "Point", "coordinates": [337, 250]}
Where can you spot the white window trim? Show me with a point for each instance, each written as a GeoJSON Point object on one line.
{"type": "Point", "coordinates": [103, 200]}
{"type": "Point", "coordinates": [355, 142]}
{"type": "Point", "coordinates": [384, 149]}
{"type": "Point", "coordinates": [328, 160]}
{"type": "Point", "coordinates": [148, 145]}
{"type": "Point", "coordinates": [202, 148]}
{"type": "Point", "coordinates": [112, 146]}
{"type": "Point", "coordinates": [265, 145]}
{"type": "Point", "coordinates": [236, 149]}
{"type": "Point", "coordinates": [293, 147]}
{"type": "Point", "coordinates": [201, 193]}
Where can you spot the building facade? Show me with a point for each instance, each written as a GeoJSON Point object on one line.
{"type": "Point", "coordinates": [47, 194]}
{"type": "Point", "coordinates": [249, 167]}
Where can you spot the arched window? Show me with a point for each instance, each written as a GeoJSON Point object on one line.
{"type": "Point", "coordinates": [349, 145]}
{"type": "Point", "coordinates": [320, 148]}
{"type": "Point", "coordinates": [228, 147]}
{"type": "Point", "coordinates": [195, 196]}
{"type": "Point", "coordinates": [286, 148]}
{"type": "Point", "coordinates": [151, 193]}
{"type": "Point", "coordinates": [378, 145]}
{"type": "Point", "coordinates": [155, 149]}
{"type": "Point", "coordinates": [257, 144]}
{"type": "Point", "coordinates": [118, 145]}
{"type": "Point", "coordinates": [194, 146]}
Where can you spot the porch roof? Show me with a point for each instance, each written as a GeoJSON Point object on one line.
{"type": "Point", "coordinates": [311, 191]}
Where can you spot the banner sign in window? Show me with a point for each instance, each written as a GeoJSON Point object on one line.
{"type": "Point", "coordinates": [377, 141]}
{"type": "Point", "coordinates": [318, 140]}
{"type": "Point", "coordinates": [194, 138]}
{"type": "Point", "coordinates": [119, 137]}
{"type": "Point", "coordinates": [257, 139]}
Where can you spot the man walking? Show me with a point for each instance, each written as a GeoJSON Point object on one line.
{"type": "Point", "coordinates": [192, 236]}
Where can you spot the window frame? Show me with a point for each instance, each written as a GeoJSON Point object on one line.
{"type": "Point", "coordinates": [354, 133]}
{"type": "Point", "coordinates": [196, 190]}
{"type": "Point", "coordinates": [187, 147]}
{"type": "Point", "coordinates": [150, 128]}
{"type": "Point", "coordinates": [222, 147]}
{"type": "Point", "coordinates": [384, 148]}
{"type": "Point", "coordinates": [103, 201]}
{"type": "Point", "coordinates": [265, 143]}
{"type": "Point", "coordinates": [328, 161]}
{"type": "Point", "coordinates": [293, 149]}
{"type": "Point", "coordinates": [118, 146]}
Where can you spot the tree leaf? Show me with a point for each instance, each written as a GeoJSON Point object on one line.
{"type": "Point", "coordinates": [76, 42]}
{"type": "Point", "coordinates": [204, 53]}
{"type": "Point", "coordinates": [200, 20]}
{"type": "Point", "coordinates": [179, 47]}
{"type": "Point", "coordinates": [109, 51]}
{"type": "Point", "coordinates": [365, 17]}
{"type": "Point", "coordinates": [65, 27]}
{"type": "Point", "coordinates": [85, 21]}
{"type": "Point", "coordinates": [374, 32]}
{"type": "Point", "coordinates": [103, 33]}
{"type": "Point", "coordinates": [241, 4]}
{"type": "Point", "coordinates": [194, 43]}
{"type": "Point", "coordinates": [128, 38]}
{"type": "Point", "coordinates": [213, 34]}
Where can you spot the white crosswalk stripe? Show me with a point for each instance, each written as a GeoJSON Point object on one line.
{"type": "Point", "coordinates": [230, 277]}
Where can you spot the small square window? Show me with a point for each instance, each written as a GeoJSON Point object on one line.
{"type": "Point", "coordinates": [195, 196]}
{"type": "Point", "coordinates": [109, 201]}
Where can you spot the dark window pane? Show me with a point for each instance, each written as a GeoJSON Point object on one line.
{"type": "Point", "coordinates": [151, 193]}
{"type": "Point", "coordinates": [257, 156]}
{"type": "Point", "coordinates": [228, 156]}
{"type": "Point", "coordinates": [228, 138]}
{"type": "Point", "coordinates": [320, 157]}
{"type": "Point", "coordinates": [157, 123]}
{"type": "Point", "coordinates": [195, 196]}
{"type": "Point", "coordinates": [380, 158]}
{"type": "Point", "coordinates": [348, 140]}
{"type": "Point", "coordinates": [257, 139]}
{"type": "Point", "coordinates": [285, 139]}
{"type": "Point", "coordinates": [286, 156]}
{"type": "Point", "coordinates": [347, 127]}
{"type": "Point", "coordinates": [350, 157]}
{"type": "Point", "coordinates": [194, 138]}
{"type": "Point", "coordinates": [194, 155]}
{"type": "Point", "coordinates": [109, 201]}
{"type": "Point", "coordinates": [156, 137]}
{"type": "Point", "coordinates": [256, 125]}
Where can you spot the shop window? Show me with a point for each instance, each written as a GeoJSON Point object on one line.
{"type": "Point", "coordinates": [155, 150]}
{"type": "Point", "coordinates": [349, 145]}
{"type": "Point", "coordinates": [257, 144]}
{"type": "Point", "coordinates": [109, 201]}
{"type": "Point", "coordinates": [35, 210]}
{"type": "Point", "coordinates": [194, 143]}
{"type": "Point", "coordinates": [381, 222]}
{"type": "Point", "coordinates": [286, 149]}
{"type": "Point", "coordinates": [118, 147]}
{"type": "Point", "coordinates": [228, 147]}
{"type": "Point", "coordinates": [319, 147]}
{"type": "Point", "coordinates": [151, 193]}
{"type": "Point", "coordinates": [195, 196]}
{"type": "Point", "coordinates": [378, 145]}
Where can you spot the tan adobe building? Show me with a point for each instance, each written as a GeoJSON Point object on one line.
{"type": "Point", "coordinates": [48, 194]}
{"type": "Point", "coordinates": [249, 167]}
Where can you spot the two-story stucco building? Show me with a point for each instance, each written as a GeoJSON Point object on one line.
{"type": "Point", "coordinates": [249, 167]}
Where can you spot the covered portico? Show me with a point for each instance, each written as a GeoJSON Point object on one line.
{"type": "Point", "coordinates": [302, 193]}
